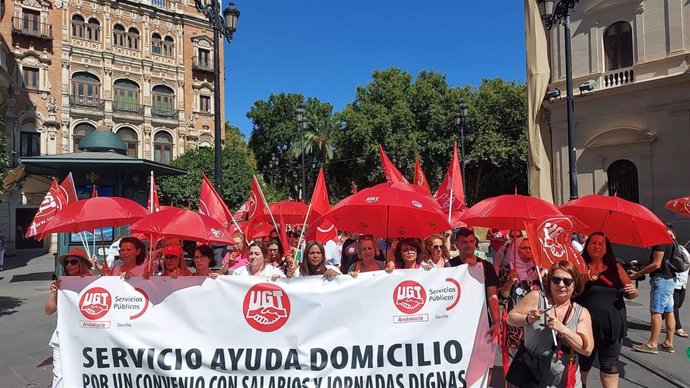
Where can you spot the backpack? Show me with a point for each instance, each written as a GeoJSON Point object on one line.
{"type": "Point", "coordinates": [679, 261]}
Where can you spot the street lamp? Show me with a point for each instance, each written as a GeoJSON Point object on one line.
{"type": "Point", "coordinates": [461, 122]}
{"type": "Point", "coordinates": [302, 123]}
{"type": "Point", "coordinates": [222, 24]}
{"type": "Point", "coordinates": [553, 12]}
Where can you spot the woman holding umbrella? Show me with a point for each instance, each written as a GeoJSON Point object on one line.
{"type": "Point", "coordinates": [75, 263]}
{"type": "Point", "coordinates": [603, 296]}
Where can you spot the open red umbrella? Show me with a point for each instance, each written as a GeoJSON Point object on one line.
{"type": "Point", "coordinates": [509, 212]}
{"type": "Point", "coordinates": [293, 212]}
{"type": "Point", "coordinates": [679, 205]}
{"type": "Point", "coordinates": [183, 224]}
{"type": "Point", "coordinates": [94, 213]}
{"type": "Point", "coordinates": [624, 222]}
{"type": "Point", "coordinates": [389, 210]}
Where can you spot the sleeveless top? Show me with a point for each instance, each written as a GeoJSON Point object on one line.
{"type": "Point", "coordinates": [603, 298]}
{"type": "Point", "coordinates": [539, 343]}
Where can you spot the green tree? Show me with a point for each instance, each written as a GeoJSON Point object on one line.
{"type": "Point", "coordinates": [5, 156]}
{"type": "Point", "coordinates": [238, 167]}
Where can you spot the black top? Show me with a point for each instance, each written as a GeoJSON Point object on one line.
{"type": "Point", "coordinates": [663, 271]}
{"type": "Point", "coordinates": [604, 300]}
{"type": "Point", "coordinates": [490, 277]}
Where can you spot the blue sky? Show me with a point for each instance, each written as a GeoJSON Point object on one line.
{"type": "Point", "coordinates": [325, 49]}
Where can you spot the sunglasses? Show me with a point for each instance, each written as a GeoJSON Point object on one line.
{"type": "Point", "coordinates": [556, 280]}
{"type": "Point", "coordinates": [72, 261]}
{"type": "Point", "coordinates": [437, 246]}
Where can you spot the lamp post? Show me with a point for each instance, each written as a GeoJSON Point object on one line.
{"type": "Point", "coordinates": [302, 123]}
{"type": "Point", "coordinates": [461, 122]}
{"type": "Point", "coordinates": [552, 13]}
{"type": "Point", "coordinates": [222, 24]}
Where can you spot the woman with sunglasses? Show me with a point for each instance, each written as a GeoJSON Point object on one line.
{"type": "Point", "coordinates": [204, 259]}
{"type": "Point", "coordinates": [607, 285]}
{"type": "Point", "coordinates": [174, 264]}
{"type": "Point", "coordinates": [75, 263]}
{"type": "Point", "coordinates": [437, 251]}
{"type": "Point", "coordinates": [545, 316]}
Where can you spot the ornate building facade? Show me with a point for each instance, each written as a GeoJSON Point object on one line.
{"type": "Point", "coordinates": [632, 132]}
{"type": "Point", "coordinates": [141, 68]}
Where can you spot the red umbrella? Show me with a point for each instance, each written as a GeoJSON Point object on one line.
{"type": "Point", "coordinates": [95, 213]}
{"type": "Point", "coordinates": [624, 222]}
{"type": "Point", "coordinates": [183, 224]}
{"type": "Point", "coordinates": [679, 205]}
{"type": "Point", "coordinates": [251, 230]}
{"type": "Point", "coordinates": [293, 212]}
{"type": "Point", "coordinates": [509, 212]}
{"type": "Point", "coordinates": [389, 210]}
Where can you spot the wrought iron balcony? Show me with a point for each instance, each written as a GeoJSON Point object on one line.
{"type": "Point", "coordinates": [32, 27]}
{"type": "Point", "coordinates": [202, 63]}
{"type": "Point", "coordinates": [86, 102]}
{"type": "Point", "coordinates": [164, 113]}
{"type": "Point", "coordinates": [132, 108]}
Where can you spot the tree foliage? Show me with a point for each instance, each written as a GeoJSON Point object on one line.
{"type": "Point", "coordinates": [238, 167]}
{"type": "Point", "coordinates": [5, 156]}
{"type": "Point", "coordinates": [409, 116]}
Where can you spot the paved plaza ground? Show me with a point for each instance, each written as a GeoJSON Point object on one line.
{"type": "Point", "coordinates": [25, 358]}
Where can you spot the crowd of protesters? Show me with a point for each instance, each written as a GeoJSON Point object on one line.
{"type": "Point", "coordinates": [553, 321]}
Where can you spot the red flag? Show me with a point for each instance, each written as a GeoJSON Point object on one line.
{"type": "Point", "coordinates": [389, 169]}
{"type": "Point", "coordinates": [242, 214]}
{"type": "Point", "coordinates": [283, 236]}
{"type": "Point", "coordinates": [452, 185]}
{"type": "Point", "coordinates": [551, 242]}
{"type": "Point", "coordinates": [94, 192]}
{"type": "Point", "coordinates": [419, 178]}
{"type": "Point", "coordinates": [69, 190]}
{"type": "Point", "coordinates": [153, 203]}
{"type": "Point", "coordinates": [320, 203]}
{"type": "Point", "coordinates": [212, 205]}
{"type": "Point", "coordinates": [54, 200]}
{"type": "Point", "coordinates": [257, 203]}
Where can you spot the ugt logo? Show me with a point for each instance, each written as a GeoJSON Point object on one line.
{"type": "Point", "coordinates": [409, 297]}
{"type": "Point", "coordinates": [95, 303]}
{"type": "Point", "coordinates": [266, 307]}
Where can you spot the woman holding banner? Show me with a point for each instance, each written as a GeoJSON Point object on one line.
{"type": "Point", "coordinates": [437, 250]}
{"type": "Point", "coordinates": [556, 328]}
{"type": "Point", "coordinates": [407, 254]}
{"type": "Point", "coordinates": [366, 252]}
{"type": "Point", "coordinates": [203, 261]}
{"type": "Point", "coordinates": [257, 264]}
{"type": "Point", "coordinates": [133, 257]}
{"type": "Point", "coordinates": [603, 294]}
{"type": "Point", "coordinates": [314, 263]}
{"type": "Point", "coordinates": [276, 256]}
{"type": "Point", "coordinates": [75, 263]}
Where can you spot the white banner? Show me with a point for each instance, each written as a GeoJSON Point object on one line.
{"type": "Point", "coordinates": [411, 328]}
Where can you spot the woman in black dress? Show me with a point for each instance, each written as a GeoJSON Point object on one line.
{"type": "Point", "coordinates": [606, 286]}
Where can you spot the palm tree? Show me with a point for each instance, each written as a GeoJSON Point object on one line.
{"type": "Point", "coordinates": [320, 135]}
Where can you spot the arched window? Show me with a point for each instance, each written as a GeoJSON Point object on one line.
{"type": "Point", "coordinates": [162, 147]}
{"type": "Point", "coordinates": [156, 43]}
{"type": "Point", "coordinates": [622, 175]}
{"type": "Point", "coordinates": [93, 30]}
{"type": "Point", "coordinates": [85, 91]}
{"type": "Point", "coordinates": [129, 136]}
{"type": "Point", "coordinates": [168, 47]}
{"type": "Point", "coordinates": [77, 26]}
{"type": "Point", "coordinates": [163, 102]}
{"type": "Point", "coordinates": [79, 132]}
{"type": "Point", "coordinates": [133, 38]}
{"type": "Point", "coordinates": [618, 46]}
{"type": "Point", "coordinates": [119, 34]}
{"type": "Point", "coordinates": [126, 97]}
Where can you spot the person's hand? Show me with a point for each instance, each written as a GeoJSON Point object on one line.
{"type": "Point", "coordinates": [213, 275]}
{"type": "Point", "coordinates": [534, 315]}
{"type": "Point", "coordinates": [354, 274]}
{"type": "Point", "coordinates": [555, 324]}
{"type": "Point", "coordinates": [54, 285]}
{"type": "Point", "coordinates": [630, 289]}
{"type": "Point", "coordinates": [275, 277]}
{"type": "Point", "coordinates": [427, 266]}
{"type": "Point", "coordinates": [125, 275]}
{"type": "Point", "coordinates": [330, 274]}
{"type": "Point", "coordinates": [493, 331]}
{"type": "Point", "coordinates": [634, 275]}
{"type": "Point", "coordinates": [390, 266]}
{"type": "Point", "coordinates": [175, 273]}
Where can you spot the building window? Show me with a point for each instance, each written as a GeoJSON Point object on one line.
{"type": "Point", "coordinates": [119, 35]}
{"type": "Point", "coordinates": [129, 136]}
{"type": "Point", "coordinates": [162, 147]}
{"type": "Point", "coordinates": [79, 132]}
{"type": "Point", "coordinates": [29, 144]}
{"type": "Point", "coordinates": [205, 104]}
{"type": "Point", "coordinates": [31, 22]}
{"type": "Point", "coordinates": [30, 77]}
{"type": "Point", "coordinates": [204, 58]}
{"type": "Point", "coordinates": [168, 47]}
{"type": "Point", "coordinates": [163, 101]}
{"type": "Point", "coordinates": [618, 46]}
{"type": "Point", "coordinates": [93, 30]}
{"type": "Point", "coordinates": [622, 176]}
{"type": "Point", "coordinates": [156, 44]}
{"type": "Point", "coordinates": [133, 38]}
{"type": "Point", "coordinates": [77, 26]}
{"type": "Point", "coordinates": [126, 97]}
{"type": "Point", "coordinates": [85, 90]}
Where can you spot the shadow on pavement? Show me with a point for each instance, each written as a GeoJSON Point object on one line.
{"type": "Point", "coordinates": [8, 305]}
{"type": "Point", "coordinates": [30, 277]}
{"type": "Point", "coordinates": [21, 259]}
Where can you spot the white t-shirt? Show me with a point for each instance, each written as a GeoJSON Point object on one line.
{"type": "Point", "coordinates": [268, 271]}
{"type": "Point", "coordinates": [332, 252]}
